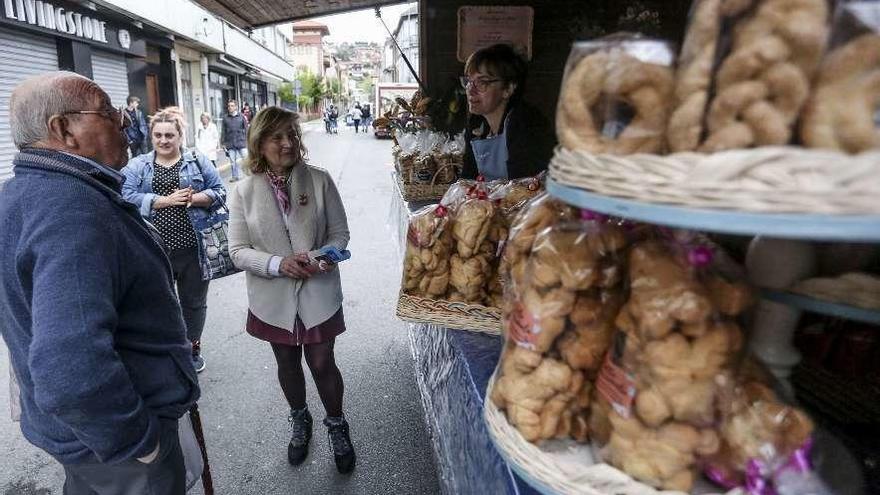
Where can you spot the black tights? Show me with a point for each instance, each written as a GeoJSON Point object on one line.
{"type": "Point", "coordinates": [322, 364]}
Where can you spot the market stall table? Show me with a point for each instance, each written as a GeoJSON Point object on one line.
{"type": "Point", "coordinates": [452, 371]}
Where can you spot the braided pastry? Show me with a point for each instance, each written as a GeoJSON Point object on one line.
{"type": "Point", "coordinates": [693, 77]}
{"type": "Point", "coordinates": [763, 83]}
{"type": "Point", "coordinates": [840, 113]}
{"type": "Point", "coordinates": [644, 87]}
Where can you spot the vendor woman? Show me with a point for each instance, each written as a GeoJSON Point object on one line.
{"type": "Point", "coordinates": [506, 139]}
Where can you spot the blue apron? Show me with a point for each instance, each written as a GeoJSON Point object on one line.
{"type": "Point", "coordinates": [491, 155]}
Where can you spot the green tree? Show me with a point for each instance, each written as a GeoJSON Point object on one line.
{"type": "Point", "coordinates": [285, 92]}
{"type": "Point", "coordinates": [311, 91]}
{"type": "Point", "coordinates": [366, 85]}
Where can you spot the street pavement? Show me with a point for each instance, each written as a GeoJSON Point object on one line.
{"type": "Point", "coordinates": [243, 410]}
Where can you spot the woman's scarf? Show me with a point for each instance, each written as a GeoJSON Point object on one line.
{"type": "Point", "coordinates": [279, 187]}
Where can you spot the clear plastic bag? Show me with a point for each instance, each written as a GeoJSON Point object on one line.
{"type": "Point", "coordinates": [657, 389]}
{"type": "Point", "coordinates": [764, 443]}
{"type": "Point", "coordinates": [616, 96]}
{"type": "Point", "coordinates": [770, 54]}
{"type": "Point", "coordinates": [471, 263]}
{"type": "Point", "coordinates": [693, 76]}
{"type": "Point", "coordinates": [429, 247]}
{"type": "Point", "coordinates": [557, 321]}
{"type": "Point", "coordinates": [842, 112]}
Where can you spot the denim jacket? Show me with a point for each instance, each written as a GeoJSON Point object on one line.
{"type": "Point", "coordinates": [138, 186]}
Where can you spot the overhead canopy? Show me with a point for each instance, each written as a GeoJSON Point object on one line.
{"type": "Point", "coordinates": [249, 14]}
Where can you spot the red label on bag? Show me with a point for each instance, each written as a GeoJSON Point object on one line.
{"type": "Point", "coordinates": [521, 326]}
{"type": "Point", "coordinates": [617, 386]}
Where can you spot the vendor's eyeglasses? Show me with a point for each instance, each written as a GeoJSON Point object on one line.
{"type": "Point", "coordinates": [480, 84]}
{"type": "Point", "coordinates": [114, 114]}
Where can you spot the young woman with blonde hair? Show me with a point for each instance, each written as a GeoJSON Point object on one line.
{"type": "Point", "coordinates": [172, 189]}
{"type": "Point", "coordinates": [282, 210]}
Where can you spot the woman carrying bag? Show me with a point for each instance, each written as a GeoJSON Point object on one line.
{"type": "Point", "coordinates": [178, 193]}
{"type": "Point", "coordinates": [282, 210]}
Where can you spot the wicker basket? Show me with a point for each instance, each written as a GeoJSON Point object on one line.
{"type": "Point", "coordinates": [559, 466]}
{"type": "Point", "coordinates": [763, 180]}
{"type": "Point", "coordinates": [461, 316]}
{"type": "Point", "coordinates": [424, 192]}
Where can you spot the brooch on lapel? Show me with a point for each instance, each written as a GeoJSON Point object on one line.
{"type": "Point", "coordinates": [303, 199]}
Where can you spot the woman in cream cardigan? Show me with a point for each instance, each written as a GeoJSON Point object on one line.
{"type": "Point", "coordinates": [282, 210]}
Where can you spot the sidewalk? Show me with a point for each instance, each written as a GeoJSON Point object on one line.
{"type": "Point", "coordinates": [224, 167]}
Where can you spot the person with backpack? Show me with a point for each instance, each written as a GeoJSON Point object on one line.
{"type": "Point", "coordinates": [137, 132]}
{"type": "Point", "coordinates": [367, 117]}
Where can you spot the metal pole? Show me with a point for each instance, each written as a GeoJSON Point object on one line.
{"type": "Point", "coordinates": [405, 59]}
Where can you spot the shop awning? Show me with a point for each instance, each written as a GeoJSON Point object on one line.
{"type": "Point", "coordinates": [249, 14]}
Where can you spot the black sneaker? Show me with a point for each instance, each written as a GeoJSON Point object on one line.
{"type": "Point", "coordinates": [300, 434]}
{"type": "Point", "coordinates": [340, 443]}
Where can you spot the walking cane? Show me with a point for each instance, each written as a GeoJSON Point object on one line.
{"type": "Point", "coordinates": [196, 420]}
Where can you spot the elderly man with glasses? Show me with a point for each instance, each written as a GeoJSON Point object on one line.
{"type": "Point", "coordinates": [104, 376]}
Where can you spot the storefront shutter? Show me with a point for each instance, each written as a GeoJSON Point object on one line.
{"type": "Point", "coordinates": [21, 56]}
{"type": "Point", "coordinates": [111, 73]}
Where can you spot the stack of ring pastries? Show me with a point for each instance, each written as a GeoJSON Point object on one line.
{"type": "Point", "coordinates": [601, 86]}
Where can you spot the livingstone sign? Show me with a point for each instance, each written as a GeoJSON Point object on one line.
{"type": "Point", "coordinates": [48, 16]}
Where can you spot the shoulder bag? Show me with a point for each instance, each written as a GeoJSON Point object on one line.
{"type": "Point", "coordinates": [213, 240]}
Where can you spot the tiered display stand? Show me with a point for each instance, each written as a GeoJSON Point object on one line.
{"type": "Point", "coordinates": [785, 197]}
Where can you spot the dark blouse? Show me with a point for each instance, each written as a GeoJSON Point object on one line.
{"type": "Point", "coordinates": [530, 142]}
{"type": "Point", "coordinates": [172, 222]}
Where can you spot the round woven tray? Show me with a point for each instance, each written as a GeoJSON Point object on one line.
{"type": "Point", "coordinates": [560, 467]}
{"type": "Point", "coordinates": [764, 180]}
{"type": "Point", "coordinates": [461, 316]}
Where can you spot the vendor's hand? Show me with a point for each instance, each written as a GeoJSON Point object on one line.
{"type": "Point", "coordinates": [292, 266]}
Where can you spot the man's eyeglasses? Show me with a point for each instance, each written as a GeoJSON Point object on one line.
{"type": "Point", "coordinates": [114, 114]}
{"type": "Point", "coordinates": [480, 84]}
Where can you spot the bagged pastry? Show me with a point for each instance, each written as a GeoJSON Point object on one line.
{"type": "Point", "coordinates": [559, 318]}
{"type": "Point", "coordinates": [426, 266]}
{"type": "Point", "coordinates": [763, 80]}
{"type": "Point", "coordinates": [471, 226]}
{"type": "Point", "coordinates": [676, 335]}
{"type": "Point", "coordinates": [693, 76]}
{"type": "Point", "coordinates": [616, 96]}
{"type": "Point", "coordinates": [843, 111]}
{"type": "Point", "coordinates": [536, 215]}
{"type": "Point", "coordinates": [764, 442]}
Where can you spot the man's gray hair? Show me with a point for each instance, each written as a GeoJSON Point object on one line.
{"type": "Point", "coordinates": [38, 98]}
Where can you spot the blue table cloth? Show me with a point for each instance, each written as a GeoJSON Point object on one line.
{"type": "Point", "coordinates": [453, 368]}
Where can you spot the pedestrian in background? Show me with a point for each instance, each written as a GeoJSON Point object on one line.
{"type": "Point", "coordinates": [94, 329]}
{"type": "Point", "coordinates": [208, 138]}
{"type": "Point", "coordinates": [293, 305]}
{"type": "Point", "coordinates": [137, 132]}
{"type": "Point", "coordinates": [356, 116]}
{"type": "Point", "coordinates": [246, 112]}
{"type": "Point", "coordinates": [367, 116]}
{"type": "Point", "coordinates": [234, 138]}
{"type": "Point", "coordinates": [173, 189]}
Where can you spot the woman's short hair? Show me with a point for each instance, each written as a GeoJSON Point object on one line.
{"type": "Point", "coordinates": [503, 62]}
{"type": "Point", "coordinates": [265, 123]}
{"type": "Point", "coordinates": [205, 114]}
{"type": "Point", "coordinates": [172, 115]}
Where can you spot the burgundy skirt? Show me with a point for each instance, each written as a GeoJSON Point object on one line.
{"type": "Point", "coordinates": [300, 335]}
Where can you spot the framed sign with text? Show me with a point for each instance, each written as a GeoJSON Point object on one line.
{"type": "Point", "coordinates": [479, 27]}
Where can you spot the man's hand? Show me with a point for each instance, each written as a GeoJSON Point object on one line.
{"type": "Point", "coordinates": [149, 458]}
